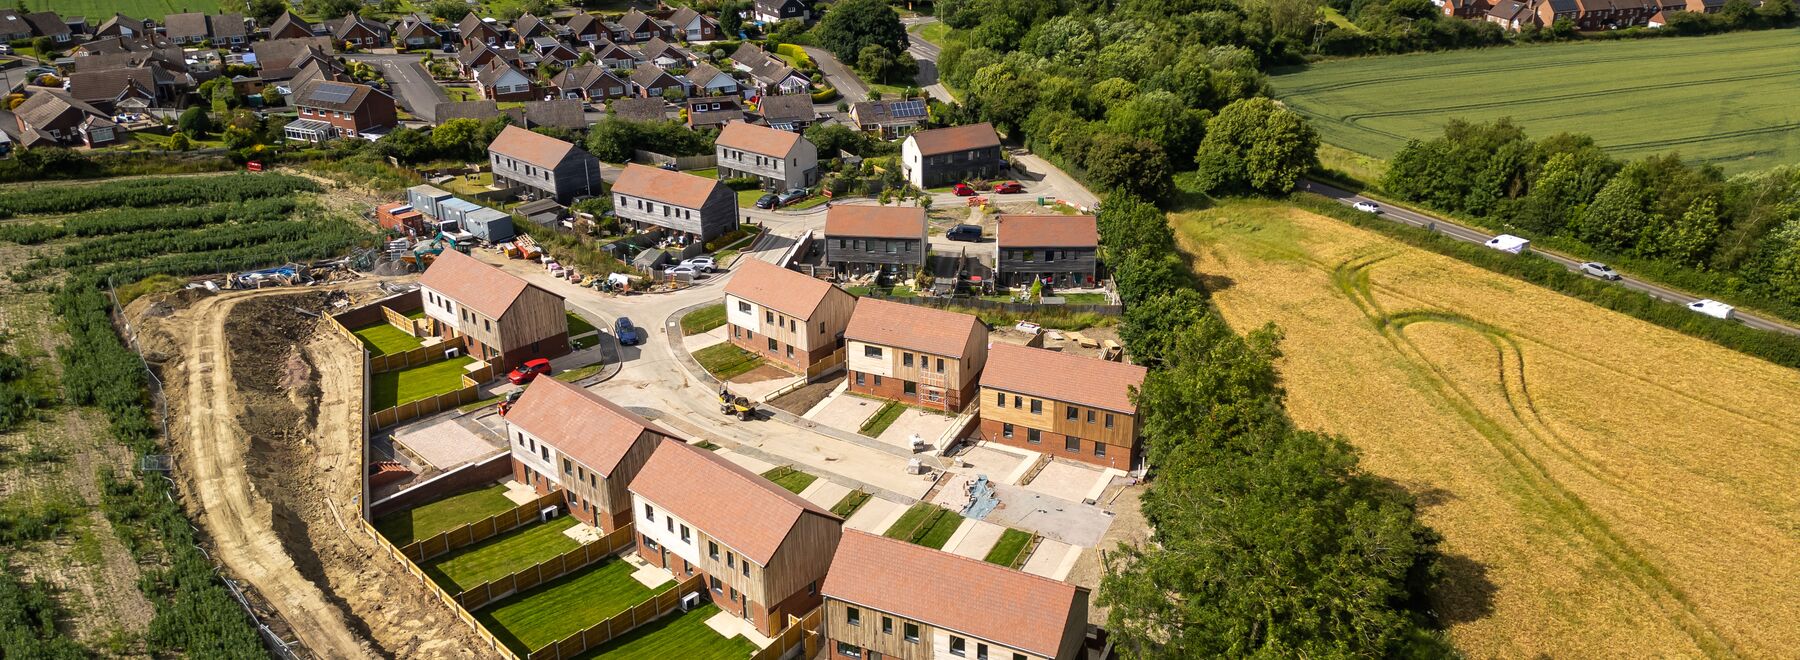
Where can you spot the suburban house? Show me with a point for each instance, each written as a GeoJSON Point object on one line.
{"type": "Point", "coordinates": [544, 166]}
{"type": "Point", "coordinates": [501, 81]}
{"type": "Point", "coordinates": [13, 25]}
{"type": "Point", "coordinates": [417, 31]}
{"type": "Point", "coordinates": [916, 355]}
{"type": "Point", "coordinates": [689, 25]}
{"type": "Point", "coordinates": [787, 317]}
{"type": "Point", "coordinates": [862, 239]}
{"type": "Point", "coordinates": [887, 598]}
{"type": "Point", "coordinates": [289, 26]}
{"type": "Point", "coordinates": [649, 81]}
{"type": "Point", "coordinates": [761, 550]}
{"type": "Point", "coordinates": [614, 56]}
{"type": "Point", "coordinates": [529, 27]}
{"type": "Point", "coordinates": [1061, 250]}
{"type": "Point", "coordinates": [475, 57]}
{"type": "Point", "coordinates": [589, 82]}
{"type": "Point", "coordinates": [1063, 405]}
{"type": "Point", "coordinates": [1472, 9]}
{"type": "Point", "coordinates": [787, 112]}
{"type": "Point", "coordinates": [120, 25]}
{"type": "Point", "coordinates": [280, 59]}
{"type": "Point", "coordinates": [50, 24]}
{"type": "Point", "coordinates": [664, 54]}
{"type": "Point", "coordinates": [709, 81]}
{"type": "Point", "coordinates": [889, 119]}
{"type": "Point", "coordinates": [52, 117]}
{"type": "Point", "coordinates": [559, 113]}
{"type": "Point", "coordinates": [776, 11]}
{"type": "Point", "coordinates": [566, 438]}
{"type": "Point", "coordinates": [696, 208]}
{"type": "Point", "coordinates": [943, 156]}
{"type": "Point", "coordinates": [127, 90]}
{"type": "Point", "coordinates": [359, 32]}
{"type": "Point", "coordinates": [330, 109]}
{"type": "Point", "coordinates": [637, 27]}
{"type": "Point", "coordinates": [586, 28]}
{"type": "Point", "coordinates": [769, 75]}
{"type": "Point", "coordinates": [1512, 14]}
{"type": "Point", "coordinates": [186, 28]}
{"type": "Point", "coordinates": [712, 111]}
{"type": "Point", "coordinates": [639, 109]}
{"type": "Point", "coordinates": [551, 50]}
{"type": "Point", "coordinates": [506, 320]}
{"type": "Point", "coordinates": [782, 160]}
{"type": "Point", "coordinates": [473, 30]}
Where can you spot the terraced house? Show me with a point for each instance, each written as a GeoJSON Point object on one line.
{"type": "Point", "coordinates": [566, 438]}
{"type": "Point", "coordinates": [886, 598]}
{"type": "Point", "coordinates": [787, 317]}
{"type": "Point", "coordinates": [506, 320]}
{"type": "Point", "coordinates": [860, 239]}
{"type": "Point", "coordinates": [916, 355]}
{"type": "Point", "coordinates": [1061, 250]}
{"type": "Point", "coordinates": [781, 160]}
{"type": "Point", "coordinates": [690, 207]}
{"type": "Point", "coordinates": [542, 166]}
{"type": "Point", "coordinates": [1067, 406]}
{"type": "Point", "coordinates": [761, 550]}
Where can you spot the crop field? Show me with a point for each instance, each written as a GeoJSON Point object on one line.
{"type": "Point", "coordinates": [97, 10]}
{"type": "Point", "coordinates": [1725, 99]}
{"type": "Point", "coordinates": [1605, 487]}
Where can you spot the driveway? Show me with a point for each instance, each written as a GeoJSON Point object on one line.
{"type": "Point", "coordinates": [413, 86]}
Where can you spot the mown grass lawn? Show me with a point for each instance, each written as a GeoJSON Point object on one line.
{"type": "Point", "coordinates": [528, 621]}
{"type": "Point", "coordinates": [707, 173]}
{"type": "Point", "coordinates": [882, 419]}
{"type": "Point", "coordinates": [1084, 298]}
{"type": "Point", "coordinates": [502, 555]}
{"type": "Point", "coordinates": [725, 361]}
{"type": "Point", "coordinates": [383, 339]}
{"type": "Point", "coordinates": [1006, 550]}
{"type": "Point", "coordinates": [679, 635]}
{"type": "Point", "coordinates": [747, 198]}
{"type": "Point", "coordinates": [579, 326]}
{"type": "Point", "coordinates": [791, 479]}
{"type": "Point", "coordinates": [703, 319]}
{"type": "Point", "coordinates": [940, 531]}
{"type": "Point", "coordinates": [919, 515]}
{"type": "Point", "coordinates": [423, 382]}
{"type": "Point", "coordinates": [852, 501]}
{"type": "Point", "coordinates": [428, 520]}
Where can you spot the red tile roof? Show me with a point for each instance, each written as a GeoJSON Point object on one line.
{"type": "Point", "coordinates": [778, 288]}
{"type": "Point", "coordinates": [677, 188]}
{"type": "Point", "coordinates": [729, 503]}
{"type": "Point", "coordinates": [1056, 375]}
{"type": "Point", "coordinates": [579, 423]}
{"type": "Point", "coordinates": [1048, 231]}
{"type": "Point", "coordinates": [535, 148]}
{"type": "Point", "coordinates": [953, 592]}
{"type": "Point", "coordinates": [757, 139]}
{"type": "Point", "coordinates": [875, 221]}
{"type": "Point", "coordinates": [913, 327]}
{"type": "Point", "coordinates": [466, 280]}
{"type": "Point", "coordinates": [956, 138]}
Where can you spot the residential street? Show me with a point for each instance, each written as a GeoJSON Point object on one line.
{"type": "Point", "coordinates": [413, 86]}
{"type": "Point", "coordinates": [927, 55]}
{"type": "Point", "coordinates": [839, 75]}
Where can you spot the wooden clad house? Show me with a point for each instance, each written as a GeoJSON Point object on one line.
{"type": "Point", "coordinates": [781, 160]}
{"type": "Point", "coordinates": [861, 239]}
{"type": "Point", "coordinates": [695, 207]}
{"type": "Point", "coordinates": [507, 320]}
{"type": "Point", "coordinates": [787, 317]}
{"type": "Point", "coordinates": [942, 156]}
{"type": "Point", "coordinates": [545, 167]}
{"type": "Point", "coordinates": [918, 355]}
{"type": "Point", "coordinates": [1062, 250]}
{"type": "Point", "coordinates": [564, 437]}
{"type": "Point", "coordinates": [761, 550]}
{"type": "Point", "coordinates": [1067, 406]}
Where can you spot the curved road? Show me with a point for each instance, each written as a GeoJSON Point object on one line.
{"type": "Point", "coordinates": [1462, 233]}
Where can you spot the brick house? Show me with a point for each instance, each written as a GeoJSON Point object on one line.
{"type": "Point", "coordinates": [943, 156]}
{"type": "Point", "coordinates": [781, 160]}
{"type": "Point", "coordinates": [290, 26]}
{"type": "Point", "coordinates": [861, 238]}
{"type": "Point", "coordinates": [473, 30]}
{"type": "Point", "coordinates": [889, 119]}
{"type": "Point", "coordinates": [52, 117]}
{"type": "Point", "coordinates": [359, 32]}
{"type": "Point", "coordinates": [547, 167]}
{"type": "Point", "coordinates": [1067, 406]}
{"type": "Point", "coordinates": [1061, 249]}
{"type": "Point", "coordinates": [501, 81]}
{"type": "Point", "coordinates": [916, 355]}
{"type": "Point", "coordinates": [1470, 9]}
{"type": "Point", "coordinates": [1512, 15]}
{"type": "Point", "coordinates": [694, 207]}
{"type": "Point", "coordinates": [506, 320]}
{"type": "Point", "coordinates": [761, 550]}
{"type": "Point", "coordinates": [887, 598]}
{"type": "Point", "coordinates": [787, 317]}
{"type": "Point", "coordinates": [330, 109]}
{"type": "Point", "coordinates": [589, 82]}
{"type": "Point", "coordinates": [689, 25]}
{"type": "Point", "coordinates": [417, 31]}
{"type": "Point", "coordinates": [566, 438]}
{"type": "Point", "coordinates": [776, 11]}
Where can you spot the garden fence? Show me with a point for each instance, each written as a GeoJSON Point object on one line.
{"type": "Point", "coordinates": [479, 596]}
{"type": "Point", "coordinates": [468, 393]}
{"type": "Point", "coordinates": [480, 530]}
{"type": "Point", "coordinates": [422, 355]}
{"type": "Point", "coordinates": [1010, 308]}
{"type": "Point", "coordinates": [804, 631]}
{"type": "Point", "coordinates": [432, 587]}
{"type": "Point", "coordinates": [624, 622]}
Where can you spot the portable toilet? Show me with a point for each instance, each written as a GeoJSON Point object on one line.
{"type": "Point", "coordinates": [425, 199]}
{"type": "Point", "coordinates": [490, 225]}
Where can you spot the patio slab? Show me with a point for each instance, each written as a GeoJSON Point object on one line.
{"type": "Point", "coordinates": [1068, 481]}
{"type": "Point", "coordinates": [825, 493]}
{"type": "Point", "coordinates": [928, 425]}
{"type": "Point", "coordinates": [974, 539]}
{"type": "Point", "coordinates": [445, 443]}
{"type": "Point", "coordinates": [1052, 559]}
{"type": "Point", "coordinates": [520, 493]}
{"type": "Point", "coordinates": [875, 516]}
{"type": "Point", "coordinates": [729, 625]}
{"type": "Point", "coordinates": [846, 412]}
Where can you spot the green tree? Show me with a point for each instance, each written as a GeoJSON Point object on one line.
{"type": "Point", "coordinates": [1619, 213]}
{"type": "Point", "coordinates": [330, 9]}
{"type": "Point", "coordinates": [612, 140]}
{"type": "Point", "coordinates": [1163, 118]}
{"type": "Point", "coordinates": [1151, 326]}
{"type": "Point", "coordinates": [851, 25]}
{"type": "Point", "coordinates": [1776, 12]}
{"type": "Point", "coordinates": [265, 11]}
{"type": "Point", "coordinates": [179, 142]}
{"type": "Point", "coordinates": [447, 10]}
{"type": "Point", "coordinates": [458, 138]}
{"type": "Point", "coordinates": [1256, 145]}
{"type": "Point", "coordinates": [1686, 239]}
{"type": "Point", "coordinates": [195, 121]}
{"type": "Point", "coordinates": [729, 21]}
{"type": "Point", "coordinates": [271, 97]}
{"type": "Point", "coordinates": [1134, 165]}
{"type": "Point", "coordinates": [1001, 96]}
{"type": "Point", "coordinates": [1129, 223]}
{"type": "Point", "coordinates": [1140, 275]}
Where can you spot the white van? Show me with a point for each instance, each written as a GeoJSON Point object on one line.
{"type": "Point", "coordinates": [1712, 308]}
{"type": "Point", "coordinates": [1510, 244]}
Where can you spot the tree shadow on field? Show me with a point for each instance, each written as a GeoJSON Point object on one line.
{"type": "Point", "coordinates": [1465, 594]}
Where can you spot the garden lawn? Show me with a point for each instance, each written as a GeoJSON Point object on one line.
{"type": "Point", "coordinates": [708, 173]}
{"type": "Point", "coordinates": [852, 501]}
{"type": "Point", "coordinates": [882, 420]}
{"type": "Point", "coordinates": [678, 635]}
{"type": "Point", "coordinates": [423, 382]}
{"type": "Point", "coordinates": [1084, 298]}
{"type": "Point", "coordinates": [940, 531]}
{"type": "Point", "coordinates": [1006, 550]}
{"type": "Point", "coordinates": [791, 479]}
{"type": "Point", "coordinates": [502, 555]}
{"type": "Point", "coordinates": [579, 326]}
{"type": "Point", "coordinates": [747, 198]}
{"type": "Point", "coordinates": [726, 361]}
{"type": "Point", "coordinates": [428, 520]}
{"type": "Point", "coordinates": [383, 338]}
{"type": "Point", "coordinates": [915, 522]}
{"type": "Point", "coordinates": [808, 203]}
{"type": "Point", "coordinates": [528, 621]}
{"type": "Point", "coordinates": [936, 33]}
{"type": "Point", "coordinates": [703, 319]}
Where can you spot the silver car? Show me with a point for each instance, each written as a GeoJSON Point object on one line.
{"type": "Point", "coordinates": [1599, 270]}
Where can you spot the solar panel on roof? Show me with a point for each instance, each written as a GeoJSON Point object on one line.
{"type": "Point", "coordinates": [333, 93]}
{"type": "Point", "coordinates": [909, 108]}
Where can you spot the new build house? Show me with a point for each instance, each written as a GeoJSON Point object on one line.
{"type": "Point", "coordinates": [943, 156]}
{"type": "Point", "coordinates": [861, 239]}
{"type": "Point", "coordinates": [545, 167]}
{"type": "Point", "coordinates": [787, 317]}
{"type": "Point", "coordinates": [506, 320]}
{"type": "Point", "coordinates": [761, 550]}
{"type": "Point", "coordinates": [1062, 250]}
{"type": "Point", "coordinates": [564, 437]}
{"type": "Point", "coordinates": [695, 207]}
{"type": "Point", "coordinates": [887, 598]}
{"type": "Point", "coordinates": [780, 159]}
{"type": "Point", "coordinates": [1068, 406]}
{"type": "Point", "coordinates": [916, 355]}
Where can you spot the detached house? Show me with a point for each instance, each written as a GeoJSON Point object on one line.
{"type": "Point", "coordinates": [637, 27]}
{"type": "Point", "coordinates": [50, 24]}
{"type": "Point", "coordinates": [566, 438]}
{"type": "Point", "coordinates": [650, 81]}
{"type": "Point", "coordinates": [124, 90]}
{"type": "Point", "coordinates": [712, 112]}
{"type": "Point", "coordinates": [359, 32]}
{"type": "Point", "coordinates": [586, 28]}
{"type": "Point", "coordinates": [768, 75]}
{"type": "Point", "coordinates": [529, 27]}
{"type": "Point", "coordinates": [52, 117]}
{"type": "Point", "coordinates": [1512, 15]}
{"type": "Point", "coordinates": [862, 239]}
{"type": "Point", "coordinates": [693, 207]}
{"type": "Point", "coordinates": [761, 551]}
{"type": "Point", "coordinates": [501, 81]}
{"type": "Point", "coordinates": [589, 82]}
{"type": "Point", "coordinates": [330, 109]}
{"type": "Point", "coordinates": [776, 11]}
{"type": "Point", "coordinates": [614, 56]}
{"type": "Point", "coordinates": [473, 30]}
{"type": "Point", "coordinates": [787, 317]}
{"type": "Point", "coordinates": [120, 25]}
{"type": "Point", "coordinates": [1063, 405]}
{"type": "Point", "coordinates": [546, 167]}
{"type": "Point", "coordinates": [916, 355]}
{"type": "Point", "coordinates": [889, 119]}
{"type": "Point", "coordinates": [709, 81]}
{"type": "Point", "coordinates": [1061, 250]}
{"type": "Point", "coordinates": [689, 25]}
{"type": "Point", "coordinates": [782, 160]}
{"type": "Point", "coordinates": [289, 26]}
{"type": "Point", "coordinates": [13, 25]}
{"type": "Point", "coordinates": [417, 32]}
{"type": "Point", "coordinates": [506, 320]}
{"type": "Point", "coordinates": [186, 28]}
{"type": "Point", "coordinates": [787, 112]}
{"type": "Point", "coordinates": [887, 598]}
{"type": "Point", "coordinates": [947, 155]}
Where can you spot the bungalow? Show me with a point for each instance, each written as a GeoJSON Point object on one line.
{"type": "Point", "coordinates": [614, 56]}
{"type": "Point", "coordinates": [889, 119]}
{"type": "Point", "coordinates": [120, 25]}
{"type": "Point", "coordinates": [586, 28]}
{"type": "Point", "coordinates": [1060, 250]}
{"type": "Point", "coordinates": [290, 26]}
{"type": "Point", "coordinates": [359, 32]}
{"type": "Point", "coordinates": [689, 25]}
{"type": "Point", "coordinates": [760, 550]}
{"type": "Point", "coordinates": [13, 25]}
{"type": "Point", "coordinates": [50, 24]}
{"type": "Point", "coordinates": [650, 81]}
{"type": "Point", "coordinates": [782, 160]}
{"type": "Point", "coordinates": [786, 317]}
{"type": "Point", "coordinates": [709, 81]}
{"type": "Point", "coordinates": [768, 75]}
{"type": "Point", "coordinates": [696, 208]}
{"type": "Point", "coordinates": [776, 11]}
{"type": "Point", "coordinates": [639, 109]}
{"type": "Point", "coordinates": [475, 57]}
{"type": "Point", "coordinates": [861, 239]}
{"type": "Point", "coordinates": [548, 49]}
{"type": "Point", "coordinates": [473, 30]}
{"type": "Point", "coordinates": [712, 111]}
{"type": "Point", "coordinates": [638, 27]}
{"type": "Point", "coordinates": [229, 30]}
{"type": "Point", "coordinates": [329, 109]}
{"type": "Point", "coordinates": [530, 27]}
{"type": "Point", "coordinates": [500, 81]}
{"type": "Point", "coordinates": [665, 54]}
{"type": "Point", "coordinates": [186, 28]}
{"type": "Point", "coordinates": [1060, 404]}
{"type": "Point", "coordinates": [589, 82]}
{"type": "Point", "coordinates": [506, 320]}
{"type": "Point", "coordinates": [544, 166]}
{"type": "Point", "coordinates": [280, 59]}
{"type": "Point", "coordinates": [124, 90]}
{"type": "Point", "coordinates": [566, 438]}
{"type": "Point", "coordinates": [566, 114]}
{"type": "Point", "coordinates": [787, 112]}
{"type": "Point", "coordinates": [417, 32]}
{"type": "Point", "coordinates": [52, 117]}
{"type": "Point", "coordinates": [916, 355]}
{"type": "Point", "coordinates": [946, 155]}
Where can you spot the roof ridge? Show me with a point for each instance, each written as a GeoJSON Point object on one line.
{"type": "Point", "coordinates": [971, 561]}
{"type": "Point", "coordinates": [785, 495]}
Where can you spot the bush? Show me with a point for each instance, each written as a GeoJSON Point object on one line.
{"type": "Point", "coordinates": [743, 183]}
{"type": "Point", "coordinates": [826, 95]}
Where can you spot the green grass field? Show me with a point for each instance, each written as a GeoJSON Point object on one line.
{"type": "Point", "coordinates": [789, 478]}
{"type": "Point", "coordinates": [678, 635]}
{"type": "Point", "coordinates": [98, 10]}
{"type": "Point", "coordinates": [502, 555]}
{"type": "Point", "coordinates": [725, 361]}
{"type": "Point", "coordinates": [408, 385]}
{"type": "Point", "coordinates": [383, 338]}
{"type": "Point", "coordinates": [429, 520]}
{"type": "Point", "coordinates": [578, 326]}
{"type": "Point", "coordinates": [567, 605]}
{"type": "Point", "coordinates": [703, 319]}
{"type": "Point", "coordinates": [1727, 99]}
{"type": "Point", "coordinates": [1006, 550]}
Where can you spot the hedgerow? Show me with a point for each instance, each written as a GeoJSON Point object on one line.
{"type": "Point", "coordinates": [150, 192]}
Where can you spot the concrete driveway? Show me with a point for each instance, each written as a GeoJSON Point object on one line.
{"type": "Point", "coordinates": [974, 539]}
{"type": "Point", "coordinates": [929, 426]}
{"type": "Point", "coordinates": [846, 412]}
{"type": "Point", "coordinates": [1055, 518]}
{"type": "Point", "coordinates": [875, 516]}
{"type": "Point", "coordinates": [1069, 481]}
{"type": "Point", "coordinates": [446, 444]}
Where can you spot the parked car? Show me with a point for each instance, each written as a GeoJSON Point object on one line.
{"type": "Point", "coordinates": [791, 196]}
{"type": "Point", "coordinates": [1367, 207]}
{"type": "Point", "coordinates": [525, 373]}
{"type": "Point", "coordinates": [766, 201]}
{"type": "Point", "coordinates": [1599, 270]}
{"type": "Point", "coordinates": [962, 190]}
{"type": "Point", "coordinates": [970, 233]}
{"type": "Point", "coordinates": [670, 167]}
{"type": "Point", "coordinates": [5, 49]}
{"type": "Point", "coordinates": [628, 334]}
{"type": "Point", "coordinates": [681, 269]}
{"type": "Point", "coordinates": [1009, 187]}
{"type": "Point", "coordinates": [702, 264]}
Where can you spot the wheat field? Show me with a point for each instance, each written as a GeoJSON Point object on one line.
{"type": "Point", "coordinates": [1605, 487]}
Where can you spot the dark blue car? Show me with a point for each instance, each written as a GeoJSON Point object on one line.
{"type": "Point", "coordinates": [628, 334]}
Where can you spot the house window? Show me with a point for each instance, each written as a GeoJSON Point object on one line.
{"type": "Point", "coordinates": [848, 650]}
{"type": "Point", "coordinates": [1037, 407]}
{"type": "Point", "coordinates": [1018, 402]}
{"type": "Point", "coordinates": [1109, 422]}
{"type": "Point", "coordinates": [906, 359]}
{"type": "Point", "coordinates": [859, 378]}
{"type": "Point", "coordinates": [566, 467]}
{"type": "Point", "coordinates": [649, 542]}
{"type": "Point", "coordinates": [773, 345]}
{"type": "Point", "coordinates": [1073, 413]}
{"type": "Point", "coordinates": [712, 550]}
{"type": "Point", "coordinates": [1099, 449]}
{"type": "Point", "coordinates": [981, 651]}
{"type": "Point", "coordinates": [1000, 399]}
{"type": "Point", "coordinates": [853, 616]}
{"type": "Point", "coordinates": [730, 560]}
{"type": "Point", "coordinates": [887, 625]}
{"type": "Point", "coordinates": [669, 524]}
{"type": "Point", "coordinates": [790, 351]}
{"type": "Point", "coordinates": [1006, 430]}
{"type": "Point", "coordinates": [716, 587]}
{"type": "Point", "coordinates": [1018, 656]}
{"type": "Point", "coordinates": [743, 306]}
{"type": "Point", "coordinates": [685, 537]}
{"type": "Point", "coordinates": [940, 368]}
{"type": "Point", "coordinates": [910, 631]}
{"type": "Point", "coordinates": [872, 352]}
{"type": "Point", "coordinates": [768, 316]}
{"type": "Point", "coordinates": [909, 387]}
{"type": "Point", "coordinates": [1072, 443]}
{"type": "Point", "coordinates": [959, 647]}
{"type": "Point", "coordinates": [1031, 436]}
{"type": "Point", "coordinates": [746, 567]}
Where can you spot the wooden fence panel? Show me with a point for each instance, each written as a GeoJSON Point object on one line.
{"type": "Point", "coordinates": [605, 631]}
{"type": "Point", "coordinates": [499, 523]}
{"type": "Point", "coordinates": [412, 569]}
{"type": "Point", "coordinates": [482, 595]}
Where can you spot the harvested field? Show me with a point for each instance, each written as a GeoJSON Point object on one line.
{"type": "Point", "coordinates": [1604, 487]}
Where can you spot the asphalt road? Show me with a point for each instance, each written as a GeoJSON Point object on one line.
{"type": "Point", "coordinates": [417, 92]}
{"type": "Point", "coordinates": [927, 55]}
{"type": "Point", "coordinates": [1463, 233]}
{"type": "Point", "coordinates": [846, 82]}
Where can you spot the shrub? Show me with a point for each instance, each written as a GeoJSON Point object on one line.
{"type": "Point", "coordinates": [743, 183]}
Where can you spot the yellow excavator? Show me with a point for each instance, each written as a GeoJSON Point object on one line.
{"type": "Point", "coordinates": [740, 407]}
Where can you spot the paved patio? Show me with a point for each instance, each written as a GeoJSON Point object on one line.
{"type": "Point", "coordinates": [446, 444]}
{"type": "Point", "coordinates": [928, 425]}
{"type": "Point", "coordinates": [974, 539]}
{"type": "Point", "coordinates": [520, 493]}
{"type": "Point", "coordinates": [1054, 518]}
{"type": "Point", "coordinates": [998, 465]}
{"type": "Point", "coordinates": [875, 516]}
{"type": "Point", "coordinates": [1052, 559]}
{"type": "Point", "coordinates": [825, 493]}
{"type": "Point", "coordinates": [711, 337]}
{"type": "Point", "coordinates": [1069, 481]}
{"type": "Point", "coordinates": [729, 625]}
{"type": "Point", "coordinates": [846, 412]}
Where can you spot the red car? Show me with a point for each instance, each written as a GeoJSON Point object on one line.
{"type": "Point", "coordinates": [528, 371]}
{"type": "Point", "coordinates": [1009, 187]}
{"type": "Point", "coordinates": [962, 190]}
